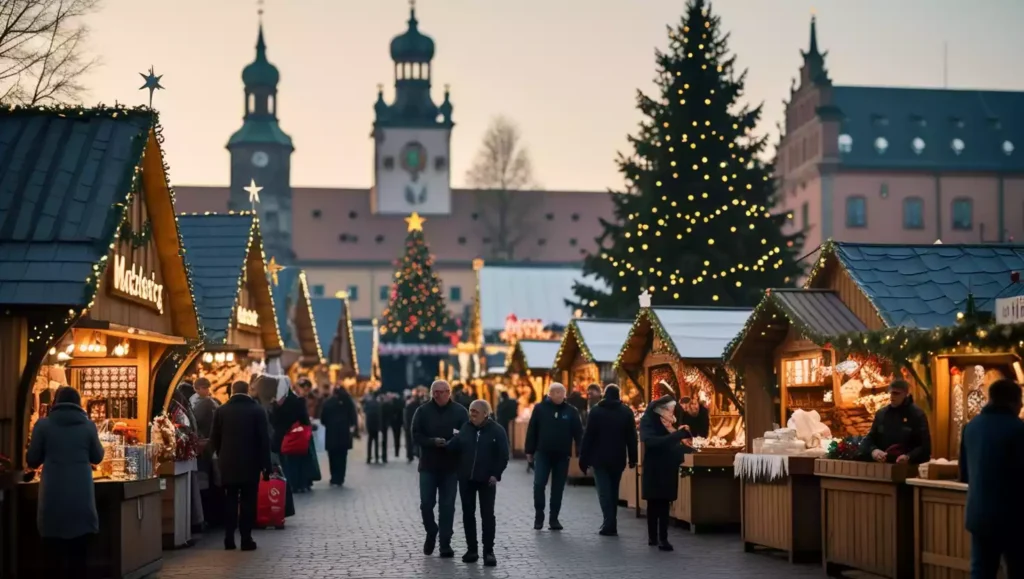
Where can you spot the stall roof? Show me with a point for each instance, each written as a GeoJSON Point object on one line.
{"type": "Point", "coordinates": [537, 354]}
{"type": "Point", "coordinates": [694, 333]}
{"type": "Point", "coordinates": [218, 248]}
{"type": "Point", "coordinates": [598, 341]}
{"type": "Point", "coordinates": [363, 337]}
{"type": "Point", "coordinates": [818, 314]}
{"type": "Point", "coordinates": [921, 286]}
{"type": "Point", "coordinates": [327, 313]}
{"type": "Point", "coordinates": [528, 292]}
{"type": "Point", "coordinates": [294, 310]}
{"type": "Point", "coordinates": [66, 179]}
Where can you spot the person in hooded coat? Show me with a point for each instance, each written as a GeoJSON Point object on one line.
{"type": "Point", "coordinates": [663, 453]}
{"type": "Point", "coordinates": [608, 441]}
{"type": "Point", "coordinates": [66, 444]}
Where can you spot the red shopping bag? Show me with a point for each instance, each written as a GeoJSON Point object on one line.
{"type": "Point", "coordinates": [270, 503]}
{"type": "Point", "coordinates": [296, 442]}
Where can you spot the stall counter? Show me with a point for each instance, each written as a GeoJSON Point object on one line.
{"type": "Point", "coordinates": [785, 513]}
{"type": "Point", "coordinates": [709, 494]}
{"type": "Point", "coordinates": [129, 544]}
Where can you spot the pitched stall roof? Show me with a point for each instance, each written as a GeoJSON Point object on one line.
{"type": "Point", "coordinates": [327, 312]}
{"type": "Point", "coordinates": [363, 338]}
{"type": "Point", "coordinates": [294, 310]}
{"type": "Point", "coordinates": [921, 286]}
{"type": "Point", "coordinates": [597, 341]}
{"type": "Point", "coordinates": [818, 314]}
{"type": "Point", "coordinates": [692, 333]}
{"type": "Point", "coordinates": [536, 354]}
{"type": "Point", "coordinates": [921, 128]}
{"type": "Point", "coordinates": [218, 247]}
{"type": "Point", "coordinates": [527, 292]}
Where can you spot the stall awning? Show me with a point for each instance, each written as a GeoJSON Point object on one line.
{"type": "Point", "coordinates": [692, 333]}
{"type": "Point", "coordinates": [536, 293]}
{"type": "Point", "coordinates": [363, 337]}
{"type": "Point", "coordinates": [294, 310]}
{"type": "Point", "coordinates": [599, 341]}
{"type": "Point", "coordinates": [537, 354]}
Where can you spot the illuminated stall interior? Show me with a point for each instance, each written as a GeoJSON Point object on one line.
{"type": "Point", "coordinates": [302, 355]}
{"type": "Point", "coordinates": [587, 354]}
{"type": "Point", "coordinates": [236, 307]}
{"type": "Point", "coordinates": [530, 367]}
{"type": "Point", "coordinates": [682, 348]}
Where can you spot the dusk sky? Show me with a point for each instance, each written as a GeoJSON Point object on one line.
{"type": "Point", "coordinates": [565, 70]}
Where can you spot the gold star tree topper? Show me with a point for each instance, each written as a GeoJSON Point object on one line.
{"type": "Point", "coordinates": [273, 268]}
{"type": "Point", "coordinates": [254, 191]}
{"type": "Point", "coordinates": [415, 222]}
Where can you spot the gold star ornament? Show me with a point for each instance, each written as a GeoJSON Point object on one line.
{"type": "Point", "coordinates": [273, 268]}
{"type": "Point", "coordinates": [415, 222]}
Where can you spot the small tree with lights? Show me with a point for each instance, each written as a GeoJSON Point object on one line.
{"type": "Point", "coordinates": [416, 312]}
{"type": "Point", "coordinates": [695, 224]}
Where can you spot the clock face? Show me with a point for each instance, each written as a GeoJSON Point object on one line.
{"type": "Point", "coordinates": [260, 159]}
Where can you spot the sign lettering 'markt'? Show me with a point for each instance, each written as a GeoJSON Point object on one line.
{"type": "Point", "coordinates": [132, 282]}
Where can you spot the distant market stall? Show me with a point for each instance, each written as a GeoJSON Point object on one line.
{"type": "Point", "coordinates": [529, 367]}
{"type": "Point", "coordinates": [303, 356]}
{"type": "Point", "coordinates": [236, 304]}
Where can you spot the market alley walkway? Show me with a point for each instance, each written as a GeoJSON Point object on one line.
{"type": "Point", "coordinates": [371, 528]}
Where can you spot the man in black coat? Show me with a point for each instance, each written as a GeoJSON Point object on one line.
{"type": "Point", "coordinates": [899, 432]}
{"type": "Point", "coordinates": [483, 455]}
{"type": "Point", "coordinates": [374, 415]}
{"type": "Point", "coordinates": [554, 427]}
{"type": "Point", "coordinates": [992, 464]}
{"type": "Point", "coordinates": [396, 418]}
{"type": "Point", "coordinates": [508, 409]}
{"type": "Point", "coordinates": [242, 443]}
{"type": "Point", "coordinates": [415, 400]}
{"type": "Point", "coordinates": [339, 418]}
{"type": "Point", "coordinates": [434, 423]}
{"type": "Point", "coordinates": [609, 439]}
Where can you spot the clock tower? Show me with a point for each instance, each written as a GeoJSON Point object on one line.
{"type": "Point", "coordinates": [261, 152]}
{"type": "Point", "coordinates": [412, 135]}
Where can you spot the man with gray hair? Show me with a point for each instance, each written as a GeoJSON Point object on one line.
{"type": "Point", "coordinates": [483, 455]}
{"type": "Point", "coordinates": [433, 424]}
{"type": "Point", "coordinates": [554, 427]}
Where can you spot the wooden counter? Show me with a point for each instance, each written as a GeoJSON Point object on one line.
{"type": "Point", "coordinates": [709, 497]}
{"type": "Point", "coordinates": [128, 545]}
{"type": "Point", "coordinates": [866, 517]}
{"type": "Point", "coordinates": [785, 513]}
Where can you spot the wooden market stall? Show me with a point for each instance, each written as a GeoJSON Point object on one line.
{"type": "Point", "coordinates": [103, 299]}
{"type": "Point", "coordinates": [236, 306]}
{"type": "Point", "coordinates": [530, 368]}
{"type": "Point", "coordinates": [678, 351]}
{"type": "Point", "coordinates": [303, 355]}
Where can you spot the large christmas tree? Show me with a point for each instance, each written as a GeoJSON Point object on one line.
{"type": "Point", "coordinates": [416, 312]}
{"type": "Point", "coordinates": [695, 224]}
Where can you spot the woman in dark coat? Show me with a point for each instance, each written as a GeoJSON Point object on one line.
{"type": "Point", "coordinates": [339, 418]}
{"type": "Point", "coordinates": [663, 453]}
{"type": "Point", "coordinates": [288, 411]}
{"type": "Point", "coordinates": [66, 445]}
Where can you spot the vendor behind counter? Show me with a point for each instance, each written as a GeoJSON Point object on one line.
{"type": "Point", "coordinates": [899, 432]}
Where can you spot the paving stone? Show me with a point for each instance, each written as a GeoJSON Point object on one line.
{"type": "Point", "coordinates": [372, 529]}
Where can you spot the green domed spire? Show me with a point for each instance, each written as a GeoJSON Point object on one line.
{"type": "Point", "coordinates": [261, 72]}
{"type": "Point", "coordinates": [412, 46]}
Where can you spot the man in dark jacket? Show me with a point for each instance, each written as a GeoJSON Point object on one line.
{"type": "Point", "coordinates": [396, 417]}
{"type": "Point", "coordinates": [992, 464]}
{"type": "Point", "coordinates": [508, 409]}
{"type": "Point", "coordinates": [899, 433]}
{"type": "Point", "coordinates": [412, 450]}
{"type": "Point", "coordinates": [554, 427]}
{"type": "Point", "coordinates": [242, 444]}
{"type": "Point", "coordinates": [483, 455]}
{"type": "Point", "coordinates": [609, 439]}
{"type": "Point", "coordinates": [695, 417]}
{"type": "Point", "coordinates": [339, 418]}
{"type": "Point", "coordinates": [434, 423]}
{"type": "Point", "coordinates": [374, 415]}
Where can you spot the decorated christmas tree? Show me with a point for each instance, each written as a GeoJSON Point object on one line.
{"type": "Point", "coordinates": [416, 312]}
{"type": "Point", "coordinates": [694, 225]}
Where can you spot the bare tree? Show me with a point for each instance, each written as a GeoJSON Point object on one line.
{"type": "Point", "coordinates": [501, 171]}
{"type": "Point", "coordinates": [41, 44]}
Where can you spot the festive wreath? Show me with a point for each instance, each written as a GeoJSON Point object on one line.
{"type": "Point", "coordinates": [845, 449]}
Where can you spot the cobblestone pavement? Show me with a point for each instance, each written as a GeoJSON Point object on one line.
{"type": "Point", "coordinates": [371, 529]}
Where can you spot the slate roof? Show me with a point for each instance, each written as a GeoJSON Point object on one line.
{"type": "Point", "coordinates": [821, 311]}
{"type": "Point", "coordinates": [983, 121]}
{"type": "Point", "coordinates": [61, 173]}
{"type": "Point", "coordinates": [604, 338]}
{"type": "Point", "coordinates": [701, 333]}
{"type": "Point", "coordinates": [327, 314]}
{"type": "Point", "coordinates": [529, 293]}
{"type": "Point", "coordinates": [924, 286]}
{"type": "Point", "coordinates": [286, 296]}
{"type": "Point", "coordinates": [363, 337]}
{"type": "Point", "coordinates": [539, 354]}
{"type": "Point", "coordinates": [216, 247]}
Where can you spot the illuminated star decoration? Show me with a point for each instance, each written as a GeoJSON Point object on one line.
{"type": "Point", "coordinates": [152, 83]}
{"type": "Point", "coordinates": [253, 191]}
{"type": "Point", "coordinates": [415, 222]}
{"type": "Point", "coordinates": [645, 299]}
{"type": "Point", "coordinates": [273, 269]}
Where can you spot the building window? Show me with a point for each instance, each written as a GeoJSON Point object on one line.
{"type": "Point", "coordinates": [575, 217]}
{"type": "Point", "coordinates": [385, 293]}
{"type": "Point", "coordinates": [805, 215]}
{"type": "Point", "coordinates": [572, 241]}
{"type": "Point", "coordinates": [963, 214]}
{"type": "Point", "coordinates": [856, 212]}
{"type": "Point", "coordinates": [379, 239]}
{"type": "Point", "coordinates": [913, 213]}
{"type": "Point", "coordinates": [542, 241]}
{"type": "Point", "coordinates": [317, 214]}
{"type": "Point", "coordinates": [462, 240]}
{"type": "Point", "coordinates": [389, 163]}
{"type": "Point", "coordinates": [353, 293]}
{"type": "Point", "coordinates": [352, 215]}
{"type": "Point", "coordinates": [439, 164]}
{"type": "Point", "coordinates": [550, 216]}
{"type": "Point", "coordinates": [318, 291]}
{"type": "Point", "coordinates": [455, 294]}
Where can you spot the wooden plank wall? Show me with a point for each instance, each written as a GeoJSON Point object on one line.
{"type": "Point", "coordinates": [13, 357]}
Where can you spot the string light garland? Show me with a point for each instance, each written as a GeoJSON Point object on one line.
{"type": "Point", "coordinates": [573, 335]}
{"type": "Point", "coordinates": [343, 296]}
{"type": "Point", "coordinates": [304, 288]}
{"type": "Point", "coordinates": [648, 315]}
{"type": "Point", "coordinates": [695, 224]}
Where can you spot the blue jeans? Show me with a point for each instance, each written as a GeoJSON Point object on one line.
{"type": "Point", "coordinates": [547, 465]}
{"type": "Point", "coordinates": [607, 482]}
{"type": "Point", "coordinates": [438, 487]}
{"type": "Point", "coordinates": [988, 549]}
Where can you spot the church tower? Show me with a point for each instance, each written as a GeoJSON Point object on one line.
{"type": "Point", "coordinates": [261, 152]}
{"type": "Point", "coordinates": [412, 135]}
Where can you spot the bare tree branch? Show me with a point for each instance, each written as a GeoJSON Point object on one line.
{"type": "Point", "coordinates": [41, 50]}
{"type": "Point", "coordinates": [502, 170]}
